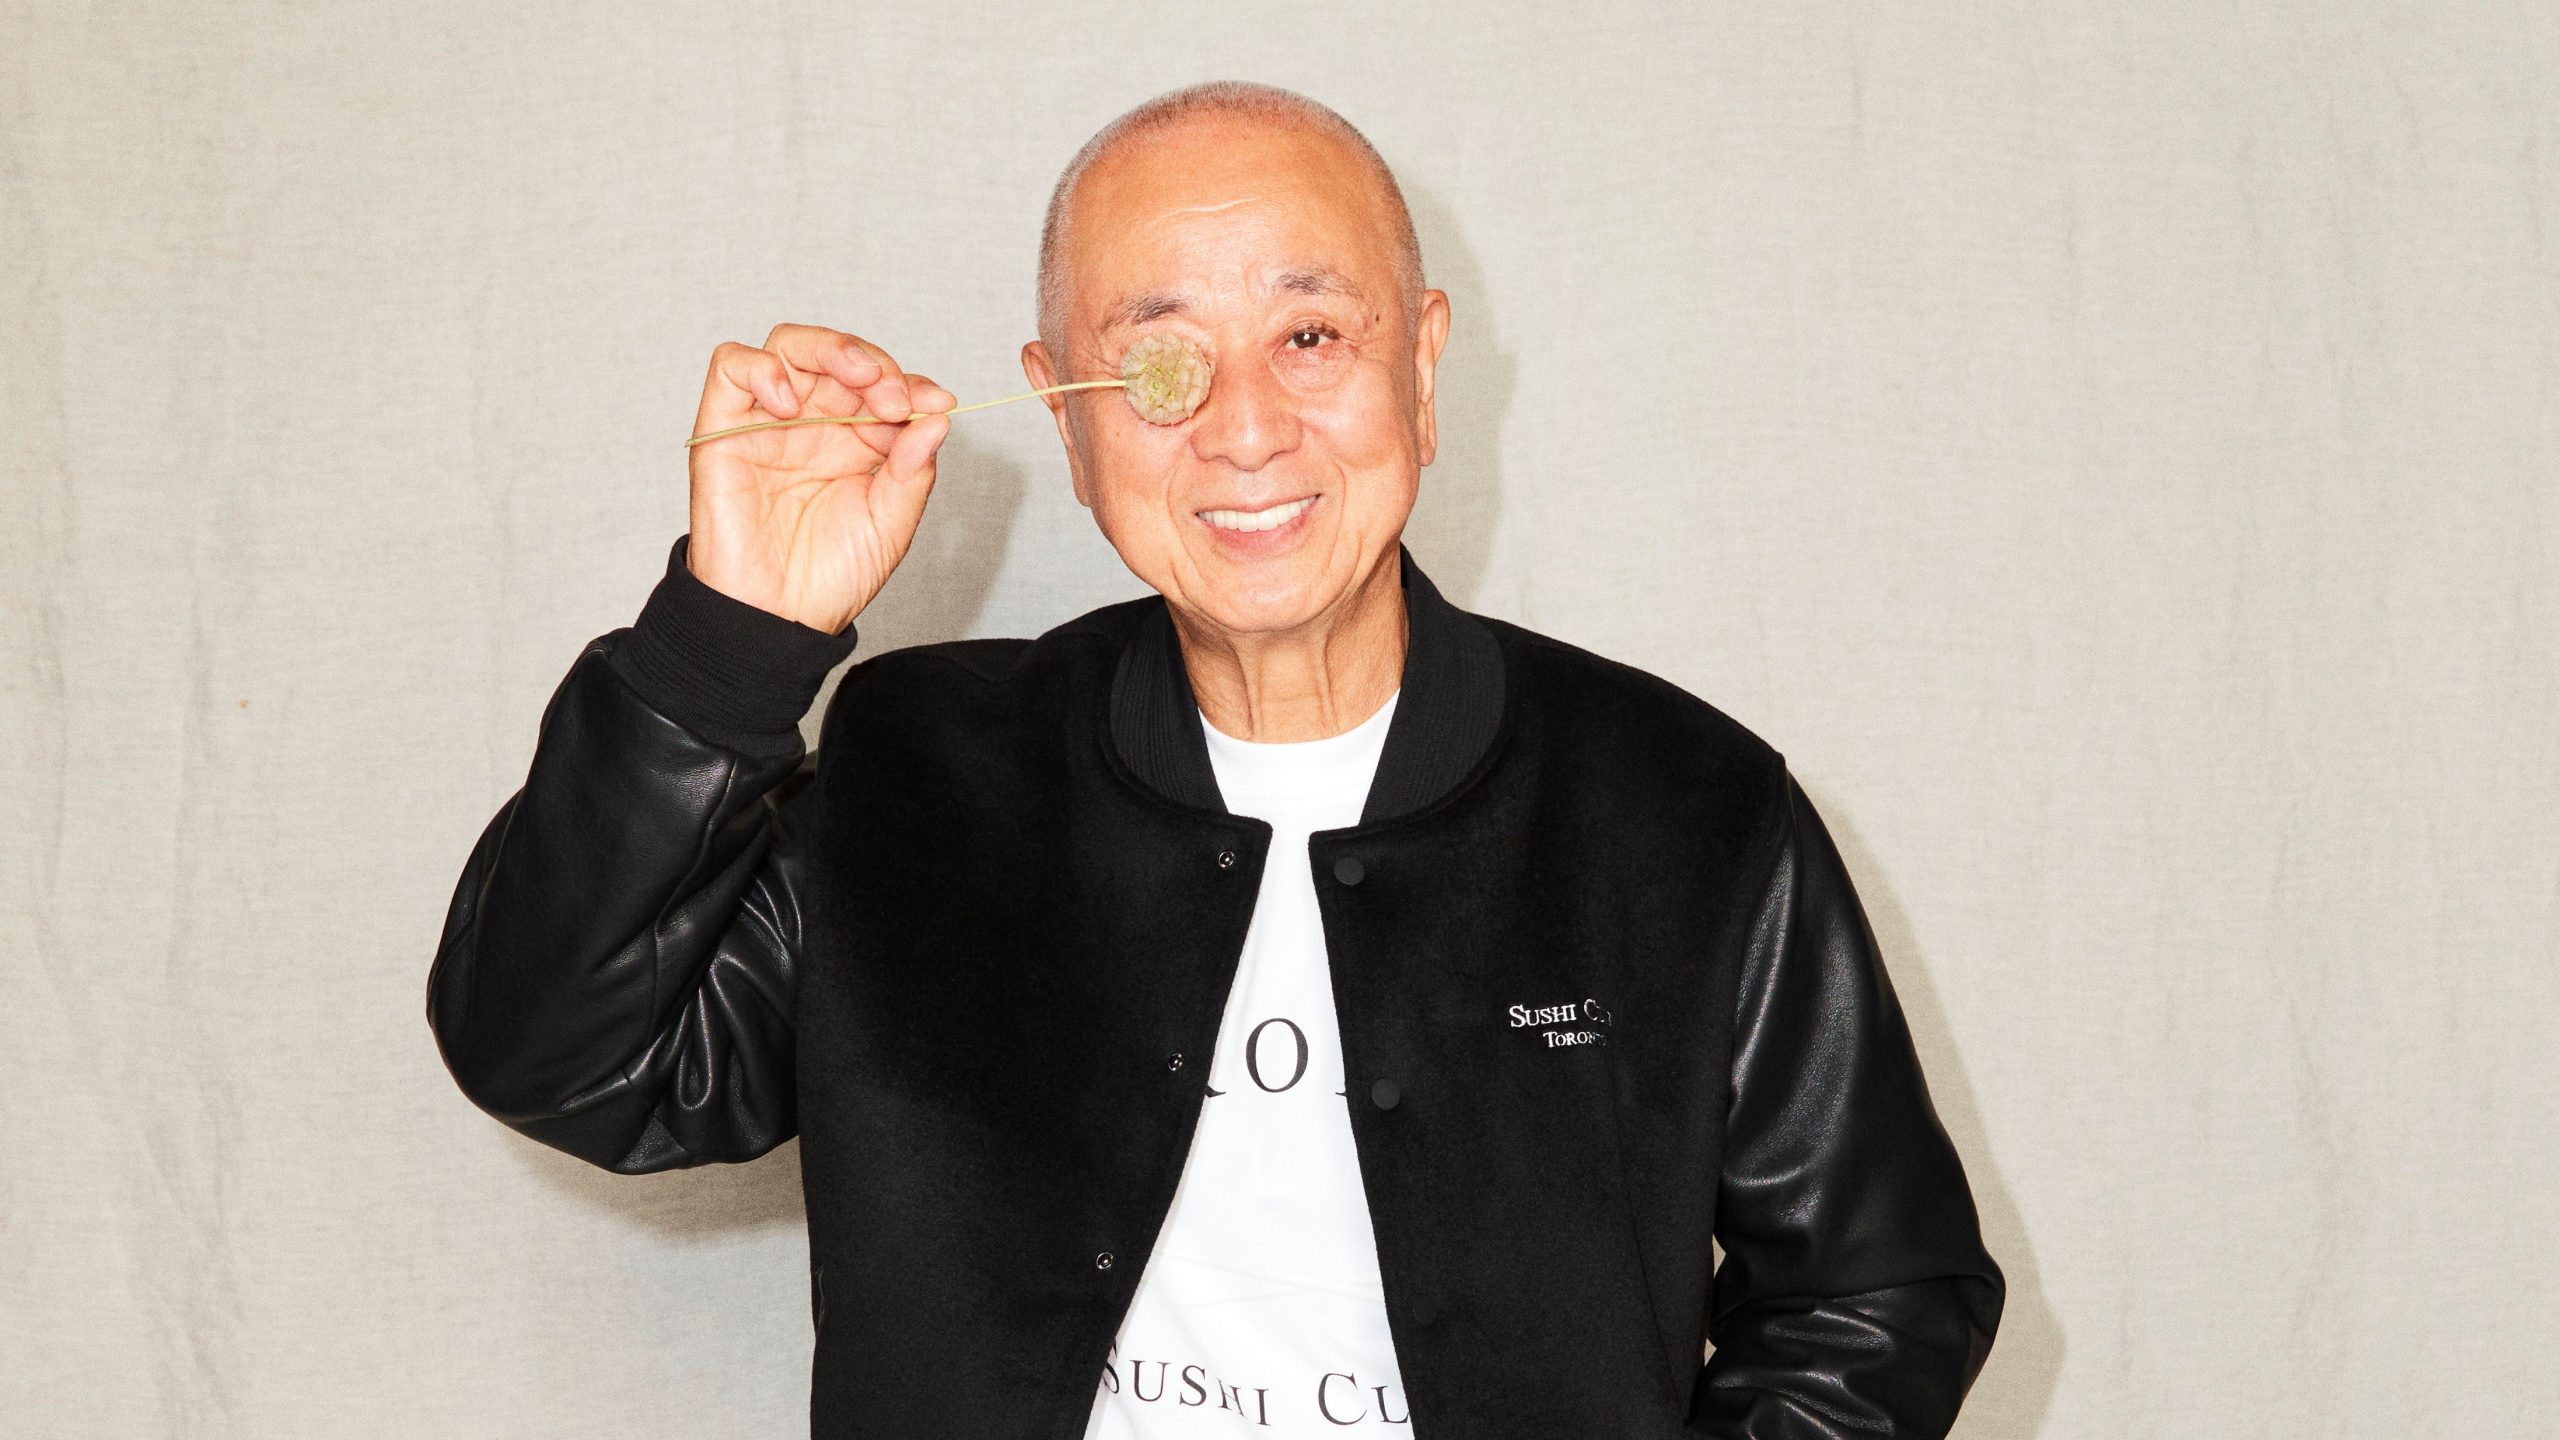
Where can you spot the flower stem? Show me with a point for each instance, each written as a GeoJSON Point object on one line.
{"type": "Point", "coordinates": [876, 420]}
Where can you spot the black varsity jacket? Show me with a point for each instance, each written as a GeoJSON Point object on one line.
{"type": "Point", "coordinates": [1604, 988]}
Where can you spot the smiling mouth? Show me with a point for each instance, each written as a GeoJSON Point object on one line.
{"type": "Point", "coordinates": [1270, 518]}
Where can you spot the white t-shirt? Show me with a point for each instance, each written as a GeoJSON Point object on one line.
{"type": "Point", "coordinates": [1260, 1309]}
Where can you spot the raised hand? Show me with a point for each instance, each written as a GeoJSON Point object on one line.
{"type": "Point", "coordinates": [807, 522]}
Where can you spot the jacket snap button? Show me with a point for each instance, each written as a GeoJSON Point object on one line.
{"type": "Point", "coordinates": [1226, 859]}
{"type": "Point", "coordinates": [1385, 1095]}
{"type": "Point", "coordinates": [1102, 1261]}
{"type": "Point", "coordinates": [1348, 870]}
{"type": "Point", "coordinates": [1173, 1061]}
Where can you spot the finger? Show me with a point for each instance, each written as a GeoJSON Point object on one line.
{"type": "Point", "coordinates": [792, 383]}
{"type": "Point", "coordinates": [744, 378]}
{"type": "Point", "coordinates": [883, 391]}
{"type": "Point", "coordinates": [849, 359]}
{"type": "Point", "coordinates": [924, 397]}
{"type": "Point", "coordinates": [905, 480]}
{"type": "Point", "coordinates": [911, 453]}
{"type": "Point", "coordinates": [885, 394]}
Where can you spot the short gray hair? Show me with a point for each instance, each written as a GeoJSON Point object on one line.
{"type": "Point", "coordinates": [1245, 98]}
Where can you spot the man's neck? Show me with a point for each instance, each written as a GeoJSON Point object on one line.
{"type": "Point", "coordinates": [1306, 684]}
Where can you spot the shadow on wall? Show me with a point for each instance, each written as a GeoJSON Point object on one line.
{"type": "Point", "coordinates": [2015, 1390]}
{"type": "Point", "coordinates": [1451, 532]}
{"type": "Point", "coordinates": [950, 572]}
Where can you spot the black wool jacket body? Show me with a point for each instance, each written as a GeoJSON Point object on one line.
{"type": "Point", "coordinates": [1604, 990]}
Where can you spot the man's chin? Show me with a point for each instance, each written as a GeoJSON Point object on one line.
{"type": "Point", "coordinates": [1257, 614]}
{"type": "Point", "coordinates": [1265, 597]}
{"type": "Point", "coordinates": [1267, 600]}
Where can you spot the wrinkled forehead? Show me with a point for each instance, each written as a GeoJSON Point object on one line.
{"type": "Point", "coordinates": [1220, 214]}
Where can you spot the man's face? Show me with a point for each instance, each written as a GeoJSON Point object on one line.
{"type": "Point", "coordinates": [1275, 253]}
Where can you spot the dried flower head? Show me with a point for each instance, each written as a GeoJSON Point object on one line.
{"type": "Point", "coordinates": [1167, 376]}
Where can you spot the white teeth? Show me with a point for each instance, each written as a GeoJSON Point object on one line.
{"type": "Point", "coordinates": [1272, 518]}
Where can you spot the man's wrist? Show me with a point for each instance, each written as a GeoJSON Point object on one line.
{"type": "Point", "coordinates": [738, 676]}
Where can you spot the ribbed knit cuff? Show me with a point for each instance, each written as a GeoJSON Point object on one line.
{"type": "Point", "coordinates": [737, 676]}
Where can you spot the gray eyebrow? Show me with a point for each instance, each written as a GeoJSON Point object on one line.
{"type": "Point", "coordinates": [1316, 280]}
{"type": "Point", "coordinates": [1139, 309]}
{"type": "Point", "coordinates": [1157, 304]}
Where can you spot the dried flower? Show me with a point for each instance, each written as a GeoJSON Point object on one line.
{"type": "Point", "coordinates": [1167, 376]}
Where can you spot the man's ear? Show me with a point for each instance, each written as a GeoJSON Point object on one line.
{"type": "Point", "coordinates": [1430, 333]}
{"type": "Point", "coordinates": [1037, 369]}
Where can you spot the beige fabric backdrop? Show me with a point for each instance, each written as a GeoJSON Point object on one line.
{"type": "Point", "coordinates": [2110, 448]}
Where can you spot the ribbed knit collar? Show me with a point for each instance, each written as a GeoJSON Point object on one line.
{"type": "Point", "coordinates": [1446, 713]}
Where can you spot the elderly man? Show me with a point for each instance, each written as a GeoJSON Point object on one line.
{"type": "Point", "coordinates": [1284, 1004]}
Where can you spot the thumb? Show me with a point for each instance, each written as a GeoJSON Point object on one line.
{"type": "Point", "coordinates": [906, 475]}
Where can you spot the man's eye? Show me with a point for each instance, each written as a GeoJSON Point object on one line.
{"type": "Point", "coordinates": [1309, 337]}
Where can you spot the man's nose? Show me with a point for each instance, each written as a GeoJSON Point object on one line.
{"type": "Point", "coordinates": [1248, 418]}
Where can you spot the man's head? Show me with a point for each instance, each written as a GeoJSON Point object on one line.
{"type": "Point", "coordinates": [1261, 226]}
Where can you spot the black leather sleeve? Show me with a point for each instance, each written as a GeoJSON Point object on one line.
{"type": "Point", "coordinates": [1855, 1297]}
{"type": "Point", "coordinates": [615, 975]}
